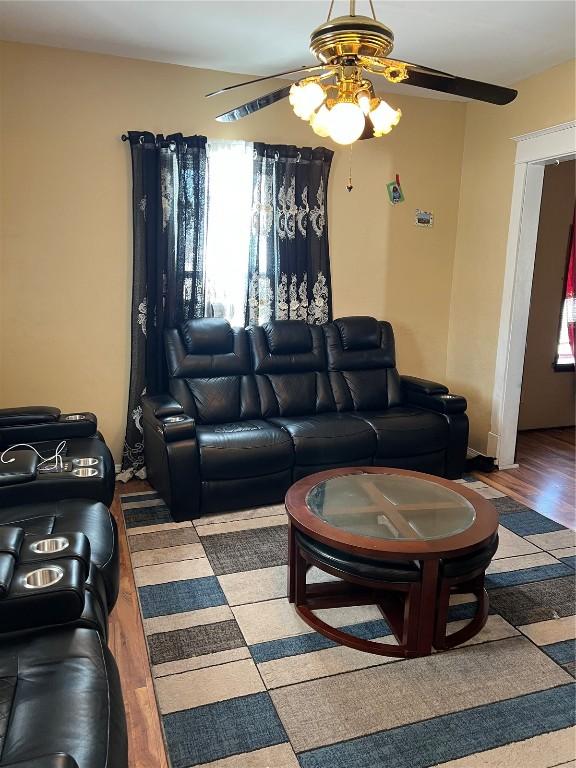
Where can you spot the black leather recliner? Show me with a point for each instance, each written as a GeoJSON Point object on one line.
{"type": "Point", "coordinates": [45, 427]}
{"type": "Point", "coordinates": [60, 702]}
{"type": "Point", "coordinates": [250, 412]}
{"type": "Point", "coordinates": [60, 698]}
{"type": "Point", "coordinates": [56, 518]}
{"type": "Point", "coordinates": [295, 395]}
{"type": "Point", "coordinates": [417, 423]}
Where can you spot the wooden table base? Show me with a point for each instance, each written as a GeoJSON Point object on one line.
{"type": "Point", "coordinates": [417, 612]}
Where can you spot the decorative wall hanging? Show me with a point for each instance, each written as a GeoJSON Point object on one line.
{"type": "Point", "coordinates": [423, 218]}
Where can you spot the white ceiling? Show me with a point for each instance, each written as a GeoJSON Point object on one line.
{"type": "Point", "coordinates": [499, 41]}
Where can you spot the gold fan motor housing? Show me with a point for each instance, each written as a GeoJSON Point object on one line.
{"type": "Point", "coordinates": [351, 36]}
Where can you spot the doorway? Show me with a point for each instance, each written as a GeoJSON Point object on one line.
{"type": "Point", "coordinates": [533, 153]}
{"type": "Point", "coordinates": [549, 380]}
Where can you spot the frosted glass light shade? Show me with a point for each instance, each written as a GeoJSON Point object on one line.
{"type": "Point", "coordinates": [320, 122]}
{"type": "Point", "coordinates": [384, 118]}
{"type": "Point", "coordinates": [346, 123]}
{"type": "Point", "coordinates": [306, 98]}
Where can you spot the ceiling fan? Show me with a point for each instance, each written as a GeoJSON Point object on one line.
{"type": "Point", "coordinates": [338, 100]}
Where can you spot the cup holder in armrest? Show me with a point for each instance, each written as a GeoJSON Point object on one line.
{"type": "Point", "coordinates": [43, 594]}
{"type": "Point", "coordinates": [173, 419]}
{"type": "Point", "coordinates": [74, 417]}
{"type": "Point", "coordinates": [43, 577]}
{"type": "Point", "coordinates": [50, 546]}
{"type": "Point", "coordinates": [89, 461]}
{"type": "Point", "coordinates": [85, 472]}
{"type": "Point", "coordinates": [40, 550]}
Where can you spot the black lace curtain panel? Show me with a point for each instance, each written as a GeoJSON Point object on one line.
{"type": "Point", "coordinates": [288, 266]}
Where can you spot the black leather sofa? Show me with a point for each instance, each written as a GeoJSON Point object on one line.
{"type": "Point", "coordinates": [60, 698]}
{"type": "Point", "coordinates": [60, 702]}
{"type": "Point", "coordinates": [251, 411]}
{"type": "Point", "coordinates": [44, 427]}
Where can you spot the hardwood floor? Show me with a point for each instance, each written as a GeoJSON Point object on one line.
{"type": "Point", "coordinates": [545, 481]}
{"type": "Point", "coordinates": [126, 641]}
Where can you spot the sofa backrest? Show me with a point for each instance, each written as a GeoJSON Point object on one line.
{"type": "Point", "coordinates": [362, 364]}
{"type": "Point", "coordinates": [290, 365]}
{"type": "Point", "coordinates": [210, 371]}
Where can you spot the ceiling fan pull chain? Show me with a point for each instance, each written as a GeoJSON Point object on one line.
{"type": "Point", "coordinates": [373, 11]}
{"type": "Point", "coordinates": [350, 186]}
{"type": "Point", "coordinates": [330, 11]}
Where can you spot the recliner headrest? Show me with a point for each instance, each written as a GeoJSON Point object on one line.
{"type": "Point", "coordinates": [288, 337]}
{"type": "Point", "coordinates": [207, 336]}
{"type": "Point", "coordinates": [360, 332]}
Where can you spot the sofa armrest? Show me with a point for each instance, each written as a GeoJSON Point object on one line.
{"type": "Point", "coordinates": [44, 427]}
{"type": "Point", "coordinates": [167, 417]}
{"type": "Point", "coordinates": [161, 405]}
{"type": "Point", "coordinates": [29, 414]}
{"type": "Point", "coordinates": [423, 386]}
{"type": "Point", "coordinates": [432, 396]}
{"type": "Point", "coordinates": [45, 761]}
{"type": "Point", "coordinates": [172, 455]}
{"type": "Point", "coordinates": [18, 467]}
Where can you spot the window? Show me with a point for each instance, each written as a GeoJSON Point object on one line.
{"type": "Point", "coordinates": [230, 173]}
{"type": "Point", "coordinates": [565, 351]}
{"type": "Point", "coordinates": [564, 356]}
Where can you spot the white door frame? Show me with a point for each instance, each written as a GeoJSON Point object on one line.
{"type": "Point", "coordinates": [533, 152]}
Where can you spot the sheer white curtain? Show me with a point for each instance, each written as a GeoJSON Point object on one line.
{"type": "Point", "coordinates": [230, 184]}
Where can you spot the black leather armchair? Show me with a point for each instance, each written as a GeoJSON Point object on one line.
{"type": "Point", "coordinates": [250, 412]}
{"type": "Point", "coordinates": [44, 427]}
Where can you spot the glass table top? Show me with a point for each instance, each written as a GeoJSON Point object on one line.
{"type": "Point", "coordinates": [390, 507]}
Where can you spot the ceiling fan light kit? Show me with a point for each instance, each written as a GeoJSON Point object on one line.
{"type": "Point", "coordinates": [339, 101]}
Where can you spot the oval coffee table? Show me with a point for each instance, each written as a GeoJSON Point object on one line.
{"type": "Point", "coordinates": [370, 527]}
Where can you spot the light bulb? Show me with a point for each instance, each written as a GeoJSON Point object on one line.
{"type": "Point", "coordinates": [363, 99]}
{"type": "Point", "coordinates": [306, 98]}
{"type": "Point", "coordinates": [320, 122]}
{"type": "Point", "coordinates": [384, 118]}
{"type": "Point", "coordinates": [346, 123]}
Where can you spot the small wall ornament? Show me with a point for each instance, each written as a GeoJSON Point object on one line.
{"type": "Point", "coordinates": [424, 218]}
{"type": "Point", "coordinates": [395, 193]}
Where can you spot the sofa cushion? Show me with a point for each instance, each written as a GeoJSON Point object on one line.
{"type": "Point", "coordinates": [287, 337]}
{"type": "Point", "coordinates": [406, 431]}
{"type": "Point", "coordinates": [207, 336]}
{"type": "Point", "coordinates": [359, 333]}
{"type": "Point", "coordinates": [61, 694]}
{"type": "Point", "coordinates": [70, 515]}
{"type": "Point", "coordinates": [329, 438]}
{"type": "Point", "coordinates": [243, 449]}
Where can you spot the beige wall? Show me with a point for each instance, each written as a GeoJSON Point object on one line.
{"type": "Point", "coordinates": [66, 275]}
{"type": "Point", "coordinates": [484, 212]}
{"type": "Point", "coordinates": [547, 398]}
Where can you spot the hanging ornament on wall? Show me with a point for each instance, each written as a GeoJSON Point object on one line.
{"type": "Point", "coordinates": [395, 193]}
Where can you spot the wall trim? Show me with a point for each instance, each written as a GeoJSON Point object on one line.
{"type": "Point", "coordinates": [533, 152]}
{"type": "Point", "coordinates": [545, 131]}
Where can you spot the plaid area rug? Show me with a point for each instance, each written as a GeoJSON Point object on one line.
{"type": "Point", "coordinates": [242, 682]}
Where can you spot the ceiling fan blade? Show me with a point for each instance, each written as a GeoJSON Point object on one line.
{"type": "Point", "coordinates": [255, 105]}
{"type": "Point", "coordinates": [435, 80]}
{"type": "Point", "coordinates": [311, 68]}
